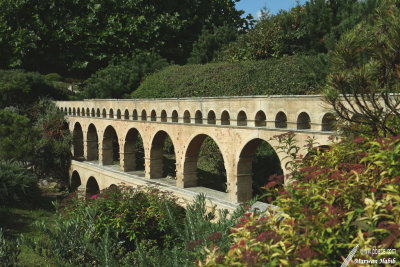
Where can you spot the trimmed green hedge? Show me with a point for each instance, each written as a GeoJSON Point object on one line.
{"type": "Point", "coordinates": [288, 75]}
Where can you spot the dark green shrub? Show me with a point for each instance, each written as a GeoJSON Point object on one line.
{"type": "Point", "coordinates": [9, 250]}
{"type": "Point", "coordinates": [16, 136]}
{"type": "Point", "coordinates": [107, 225]}
{"type": "Point", "coordinates": [53, 77]}
{"type": "Point", "coordinates": [264, 77]}
{"type": "Point", "coordinates": [118, 80]}
{"type": "Point", "coordinates": [19, 88]}
{"type": "Point", "coordinates": [16, 182]}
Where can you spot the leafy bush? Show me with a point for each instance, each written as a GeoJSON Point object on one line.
{"type": "Point", "coordinates": [9, 250]}
{"type": "Point", "coordinates": [341, 198]}
{"type": "Point", "coordinates": [16, 182]}
{"type": "Point", "coordinates": [264, 77]}
{"type": "Point", "coordinates": [118, 80]}
{"type": "Point", "coordinates": [19, 88]}
{"type": "Point", "coordinates": [111, 222]}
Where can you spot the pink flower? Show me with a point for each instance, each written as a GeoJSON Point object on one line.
{"type": "Point", "coordinates": [93, 197]}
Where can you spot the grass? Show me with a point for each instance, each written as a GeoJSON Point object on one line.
{"type": "Point", "coordinates": [19, 220]}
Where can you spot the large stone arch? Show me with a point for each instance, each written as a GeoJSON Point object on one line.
{"type": "Point", "coordinates": [92, 143]}
{"type": "Point", "coordinates": [75, 181]}
{"type": "Point", "coordinates": [92, 186]}
{"type": "Point", "coordinates": [157, 163]}
{"type": "Point", "coordinates": [77, 141]}
{"type": "Point", "coordinates": [189, 170]}
{"type": "Point", "coordinates": [245, 170]}
{"type": "Point", "coordinates": [129, 154]}
{"type": "Point", "coordinates": [109, 148]}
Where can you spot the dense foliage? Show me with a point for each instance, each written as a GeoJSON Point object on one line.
{"type": "Point", "coordinates": [366, 72]}
{"type": "Point", "coordinates": [118, 80]}
{"type": "Point", "coordinates": [80, 37]}
{"type": "Point", "coordinates": [307, 29]}
{"type": "Point", "coordinates": [21, 89]}
{"type": "Point", "coordinates": [17, 184]}
{"type": "Point", "coordinates": [340, 198]}
{"type": "Point", "coordinates": [272, 76]}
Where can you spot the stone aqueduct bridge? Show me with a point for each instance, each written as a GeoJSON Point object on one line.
{"type": "Point", "coordinates": [236, 124]}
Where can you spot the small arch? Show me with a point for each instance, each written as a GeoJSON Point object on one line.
{"type": "Point", "coordinates": [186, 117]}
{"type": "Point", "coordinates": [225, 118]}
{"type": "Point", "coordinates": [87, 112]}
{"type": "Point", "coordinates": [163, 116]}
{"type": "Point", "coordinates": [303, 121]}
{"type": "Point", "coordinates": [174, 116]}
{"type": "Point", "coordinates": [77, 141]}
{"type": "Point", "coordinates": [280, 120]}
{"type": "Point", "coordinates": [134, 115]}
{"type": "Point", "coordinates": [198, 117]}
{"type": "Point", "coordinates": [111, 114]}
{"type": "Point", "coordinates": [62, 109]}
{"type": "Point", "coordinates": [261, 119]}
{"type": "Point", "coordinates": [92, 141]}
{"type": "Point", "coordinates": [118, 114]}
{"type": "Point", "coordinates": [78, 112]}
{"type": "Point", "coordinates": [153, 115]}
{"type": "Point", "coordinates": [69, 111]}
{"type": "Point", "coordinates": [75, 181]}
{"type": "Point", "coordinates": [211, 117]}
{"type": "Point", "coordinates": [93, 112]}
{"type": "Point", "coordinates": [92, 187]}
{"type": "Point", "coordinates": [144, 115]}
{"type": "Point", "coordinates": [98, 113]}
{"type": "Point", "coordinates": [242, 118]}
{"type": "Point", "coordinates": [126, 114]}
{"type": "Point", "coordinates": [110, 147]}
{"type": "Point", "coordinates": [74, 112]}
{"type": "Point", "coordinates": [328, 122]}
{"type": "Point", "coordinates": [104, 113]}
{"type": "Point", "coordinates": [65, 111]}
{"type": "Point", "coordinates": [83, 112]}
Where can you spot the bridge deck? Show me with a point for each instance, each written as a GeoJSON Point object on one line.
{"type": "Point", "coordinates": [136, 178]}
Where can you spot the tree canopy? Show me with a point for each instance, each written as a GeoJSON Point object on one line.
{"type": "Point", "coordinates": [81, 36]}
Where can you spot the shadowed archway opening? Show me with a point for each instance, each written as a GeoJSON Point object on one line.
{"type": "Point", "coordinates": [77, 142]}
{"type": "Point", "coordinates": [87, 112]}
{"type": "Point", "coordinates": [134, 115]}
{"type": "Point", "coordinates": [260, 119]}
{"type": "Point", "coordinates": [225, 118]}
{"type": "Point", "coordinates": [204, 164]}
{"type": "Point", "coordinates": [153, 115]}
{"type": "Point", "coordinates": [328, 122]}
{"type": "Point", "coordinates": [78, 111]}
{"type": "Point", "coordinates": [174, 116]}
{"type": "Point", "coordinates": [163, 116]}
{"type": "Point", "coordinates": [242, 119]}
{"type": "Point", "coordinates": [133, 151]}
{"type": "Point", "coordinates": [83, 112]}
{"type": "Point", "coordinates": [92, 143]}
{"type": "Point", "coordinates": [303, 121]}
{"type": "Point", "coordinates": [186, 117]}
{"type": "Point", "coordinates": [69, 111]}
{"type": "Point", "coordinates": [75, 181]}
{"type": "Point", "coordinates": [198, 117]}
{"type": "Point", "coordinates": [211, 119]}
{"type": "Point", "coordinates": [98, 113]}
{"type": "Point", "coordinates": [104, 113]}
{"type": "Point", "coordinates": [280, 120]}
{"type": "Point", "coordinates": [92, 187]}
{"type": "Point", "coordinates": [258, 164]}
{"type": "Point", "coordinates": [162, 154]}
{"type": "Point", "coordinates": [144, 115]}
{"type": "Point", "coordinates": [74, 112]}
{"type": "Point", "coordinates": [93, 112]}
{"type": "Point", "coordinates": [110, 154]}
{"type": "Point", "coordinates": [111, 114]}
{"type": "Point", "coordinates": [118, 114]}
{"type": "Point", "coordinates": [126, 115]}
